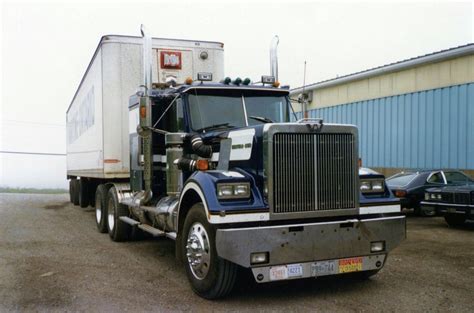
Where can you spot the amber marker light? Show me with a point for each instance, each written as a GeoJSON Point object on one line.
{"type": "Point", "coordinates": [202, 165]}
{"type": "Point", "coordinates": [276, 84]}
{"type": "Point", "coordinates": [188, 81]}
{"type": "Point", "coordinates": [143, 111]}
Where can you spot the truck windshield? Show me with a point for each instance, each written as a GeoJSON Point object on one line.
{"type": "Point", "coordinates": [234, 108]}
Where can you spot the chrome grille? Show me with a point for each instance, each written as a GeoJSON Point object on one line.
{"type": "Point", "coordinates": [461, 198]}
{"type": "Point", "coordinates": [447, 197]}
{"type": "Point", "coordinates": [314, 172]}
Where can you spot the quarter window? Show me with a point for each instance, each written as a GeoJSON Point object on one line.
{"type": "Point", "coordinates": [436, 178]}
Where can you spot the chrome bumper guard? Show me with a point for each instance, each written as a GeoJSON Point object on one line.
{"type": "Point", "coordinates": [306, 243]}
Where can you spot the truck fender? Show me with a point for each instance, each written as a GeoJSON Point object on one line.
{"type": "Point", "coordinates": [191, 194]}
{"type": "Point", "coordinates": [200, 187]}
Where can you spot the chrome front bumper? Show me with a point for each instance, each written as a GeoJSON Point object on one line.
{"type": "Point", "coordinates": [307, 243]}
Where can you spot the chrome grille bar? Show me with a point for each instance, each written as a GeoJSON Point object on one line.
{"type": "Point", "coordinates": [314, 172]}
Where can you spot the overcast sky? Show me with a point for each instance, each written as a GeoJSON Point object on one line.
{"type": "Point", "coordinates": [47, 47]}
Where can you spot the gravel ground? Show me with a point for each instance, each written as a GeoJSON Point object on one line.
{"type": "Point", "coordinates": [52, 258]}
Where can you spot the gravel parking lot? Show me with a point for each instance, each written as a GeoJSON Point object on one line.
{"type": "Point", "coordinates": [52, 258]}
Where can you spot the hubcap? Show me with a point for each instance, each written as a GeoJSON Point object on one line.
{"type": "Point", "coordinates": [98, 213]}
{"type": "Point", "coordinates": [198, 251]}
{"type": "Point", "coordinates": [110, 216]}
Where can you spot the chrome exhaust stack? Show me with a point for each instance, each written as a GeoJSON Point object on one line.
{"type": "Point", "coordinates": [147, 66]}
{"type": "Point", "coordinates": [145, 121]}
{"type": "Point", "coordinates": [274, 57]}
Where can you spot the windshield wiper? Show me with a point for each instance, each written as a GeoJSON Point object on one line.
{"type": "Point", "coordinates": [262, 119]}
{"type": "Point", "coordinates": [215, 126]}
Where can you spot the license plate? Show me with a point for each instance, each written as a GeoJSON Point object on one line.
{"type": "Point", "coordinates": [278, 273]}
{"type": "Point", "coordinates": [451, 210]}
{"type": "Point", "coordinates": [350, 265]}
{"type": "Point", "coordinates": [322, 268]}
{"type": "Point", "coordinates": [295, 270]}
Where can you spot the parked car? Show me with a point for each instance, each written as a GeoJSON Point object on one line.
{"type": "Point", "coordinates": [455, 203]}
{"type": "Point", "coordinates": [410, 187]}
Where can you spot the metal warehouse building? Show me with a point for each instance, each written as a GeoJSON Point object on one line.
{"type": "Point", "coordinates": [413, 114]}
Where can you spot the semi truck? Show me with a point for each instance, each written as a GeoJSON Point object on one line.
{"type": "Point", "coordinates": [222, 167]}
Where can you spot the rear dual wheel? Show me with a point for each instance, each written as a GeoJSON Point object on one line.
{"type": "Point", "coordinates": [118, 230]}
{"type": "Point", "coordinates": [210, 276]}
{"type": "Point", "coordinates": [101, 208]}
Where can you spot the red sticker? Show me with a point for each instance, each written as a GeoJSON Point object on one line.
{"type": "Point", "coordinates": [170, 60]}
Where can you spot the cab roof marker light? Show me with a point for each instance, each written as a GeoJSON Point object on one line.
{"type": "Point", "coordinates": [226, 80]}
{"type": "Point", "coordinates": [246, 81]}
{"type": "Point", "coordinates": [237, 81]}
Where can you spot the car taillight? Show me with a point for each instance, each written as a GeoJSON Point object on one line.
{"type": "Point", "coordinates": [400, 193]}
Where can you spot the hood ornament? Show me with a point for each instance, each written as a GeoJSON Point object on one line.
{"type": "Point", "coordinates": [314, 124]}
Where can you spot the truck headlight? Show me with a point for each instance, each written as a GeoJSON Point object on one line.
{"type": "Point", "coordinates": [365, 186]}
{"type": "Point", "coordinates": [233, 190]}
{"type": "Point", "coordinates": [432, 196]}
{"type": "Point", "coordinates": [372, 186]}
{"type": "Point", "coordinates": [427, 196]}
{"type": "Point", "coordinates": [377, 186]}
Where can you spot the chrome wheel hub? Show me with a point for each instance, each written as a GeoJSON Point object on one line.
{"type": "Point", "coordinates": [98, 213]}
{"type": "Point", "coordinates": [110, 216]}
{"type": "Point", "coordinates": [198, 251]}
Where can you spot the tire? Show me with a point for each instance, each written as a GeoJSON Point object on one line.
{"type": "Point", "coordinates": [83, 193]}
{"type": "Point", "coordinates": [454, 220]}
{"type": "Point", "coordinates": [118, 230]}
{"type": "Point", "coordinates": [101, 208]}
{"type": "Point", "coordinates": [218, 277]}
{"type": "Point", "coordinates": [71, 195]}
{"type": "Point", "coordinates": [75, 192]}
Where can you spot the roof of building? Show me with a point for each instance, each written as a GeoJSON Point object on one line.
{"type": "Point", "coordinates": [392, 67]}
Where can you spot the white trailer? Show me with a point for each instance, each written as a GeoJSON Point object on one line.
{"type": "Point", "coordinates": [97, 118]}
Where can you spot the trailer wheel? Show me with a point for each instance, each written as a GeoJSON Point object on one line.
{"type": "Point", "coordinates": [210, 276]}
{"type": "Point", "coordinates": [101, 208]}
{"type": "Point", "coordinates": [454, 220]}
{"type": "Point", "coordinates": [118, 230]}
{"type": "Point", "coordinates": [75, 191]}
{"type": "Point", "coordinates": [71, 197]}
{"type": "Point", "coordinates": [83, 193]}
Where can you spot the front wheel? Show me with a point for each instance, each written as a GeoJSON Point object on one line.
{"type": "Point", "coordinates": [454, 220]}
{"type": "Point", "coordinates": [210, 276]}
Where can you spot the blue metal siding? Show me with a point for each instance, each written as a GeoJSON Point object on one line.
{"type": "Point", "coordinates": [425, 129]}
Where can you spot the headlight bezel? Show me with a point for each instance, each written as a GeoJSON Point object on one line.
{"type": "Point", "coordinates": [234, 186]}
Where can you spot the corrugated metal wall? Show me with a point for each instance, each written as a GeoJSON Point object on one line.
{"type": "Point", "coordinates": [425, 129]}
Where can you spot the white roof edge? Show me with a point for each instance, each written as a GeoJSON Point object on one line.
{"type": "Point", "coordinates": [430, 58]}
{"type": "Point", "coordinates": [159, 41]}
